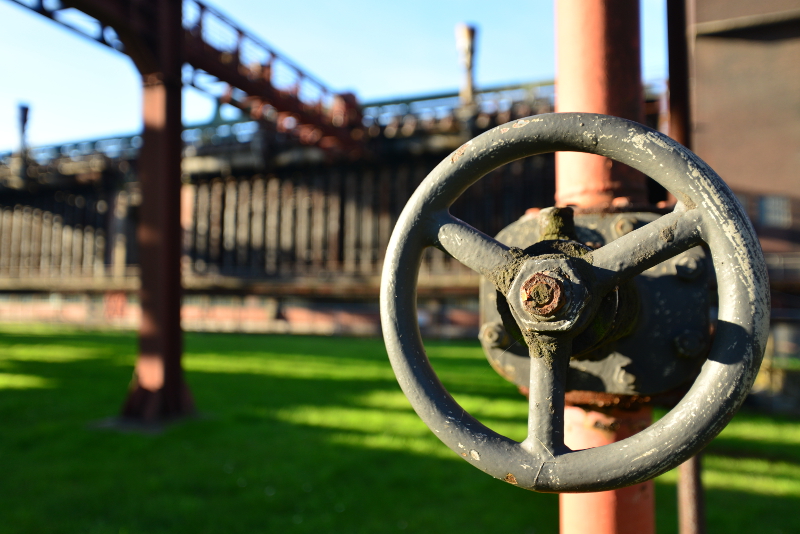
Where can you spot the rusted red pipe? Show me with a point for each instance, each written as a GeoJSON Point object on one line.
{"type": "Point", "coordinates": [691, 498]}
{"type": "Point", "coordinates": [599, 71]}
{"type": "Point", "coordinates": [628, 510]}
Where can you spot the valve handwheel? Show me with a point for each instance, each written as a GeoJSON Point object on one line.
{"type": "Point", "coordinates": [553, 294]}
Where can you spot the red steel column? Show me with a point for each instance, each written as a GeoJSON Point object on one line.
{"type": "Point", "coordinates": [158, 391]}
{"type": "Point", "coordinates": [599, 71]}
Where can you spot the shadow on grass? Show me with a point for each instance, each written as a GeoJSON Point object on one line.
{"type": "Point", "coordinates": [731, 512]}
{"type": "Point", "coordinates": [297, 435]}
{"type": "Point", "coordinates": [245, 466]}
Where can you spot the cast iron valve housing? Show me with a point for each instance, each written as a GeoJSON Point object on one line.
{"type": "Point", "coordinates": [554, 294]}
{"type": "Point", "coordinates": [649, 336]}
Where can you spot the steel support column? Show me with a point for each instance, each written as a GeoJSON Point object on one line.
{"type": "Point", "coordinates": [158, 391]}
{"type": "Point", "coordinates": [599, 71]}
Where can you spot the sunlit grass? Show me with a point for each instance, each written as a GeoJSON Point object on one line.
{"type": "Point", "coordinates": [760, 430]}
{"type": "Point", "coordinates": [301, 435]}
{"type": "Point", "coordinates": [753, 476]}
{"type": "Point", "coordinates": [296, 366]}
{"type": "Point", "coordinates": [50, 353]}
{"type": "Point", "coordinates": [12, 381]}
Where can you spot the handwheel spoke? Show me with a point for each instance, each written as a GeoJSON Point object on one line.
{"type": "Point", "coordinates": [549, 361]}
{"type": "Point", "coordinates": [645, 247]}
{"type": "Point", "coordinates": [481, 253]}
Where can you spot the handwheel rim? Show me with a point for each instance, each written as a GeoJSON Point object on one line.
{"type": "Point", "coordinates": [726, 376]}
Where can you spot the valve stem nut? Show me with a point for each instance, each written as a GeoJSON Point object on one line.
{"type": "Point", "coordinates": [542, 295]}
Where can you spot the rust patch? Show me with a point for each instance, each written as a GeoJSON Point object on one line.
{"type": "Point", "coordinates": [520, 123]}
{"type": "Point", "coordinates": [460, 152]}
{"type": "Point", "coordinates": [542, 295]}
{"type": "Point", "coordinates": [596, 400]}
{"type": "Point", "coordinates": [504, 130]}
{"type": "Point", "coordinates": [511, 479]}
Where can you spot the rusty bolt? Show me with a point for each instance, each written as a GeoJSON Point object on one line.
{"type": "Point", "coordinates": [624, 226]}
{"type": "Point", "coordinates": [688, 268]}
{"type": "Point", "coordinates": [542, 295]}
{"type": "Point", "coordinates": [494, 335]}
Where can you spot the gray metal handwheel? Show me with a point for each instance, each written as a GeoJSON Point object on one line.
{"type": "Point", "coordinates": [553, 296]}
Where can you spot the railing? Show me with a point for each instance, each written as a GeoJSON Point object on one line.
{"type": "Point", "coordinates": [125, 147]}
{"type": "Point", "coordinates": [63, 239]}
{"type": "Point", "coordinates": [263, 82]}
{"type": "Point", "coordinates": [329, 222]}
{"type": "Point", "coordinates": [533, 97]}
{"type": "Point", "coordinates": [234, 44]}
{"type": "Point", "coordinates": [302, 229]}
{"type": "Point", "coordinates": [232, 65]}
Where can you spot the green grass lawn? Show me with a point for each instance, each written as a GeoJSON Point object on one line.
{"type": "Point", "coordinates": [304, 434]}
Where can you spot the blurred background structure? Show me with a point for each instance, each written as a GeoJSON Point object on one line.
{"type": "Point", "coordinates": [289, 203]}
{"type": "Point", "coordinates": [288, 195]}
{"type": "Point", "coordinates": [274, 216]}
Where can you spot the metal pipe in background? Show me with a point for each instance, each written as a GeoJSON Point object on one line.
{"type": "Point", "coordinates": [691, 499]}
{"type": "Point", "coordinates": [599, 71]}
{"type": "Point", "coordinates": [628, 510]}
{"type": "Point", "coordinates": [680, 117]}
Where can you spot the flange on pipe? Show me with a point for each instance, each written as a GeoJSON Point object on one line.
{"type": "Point", "coordinates": [557, 289]}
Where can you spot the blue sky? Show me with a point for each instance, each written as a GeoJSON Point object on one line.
{"type": "Point", "coordinates": [81, 90]}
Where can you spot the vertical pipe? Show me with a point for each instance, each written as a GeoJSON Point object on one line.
{"type": "Point", "coordinates": [599, 71]}
{"type": "Point", "coordinates": [678, 50]}
{"type": "Point", "coordinates": [159, 391]}
{"type": "Point", "coordinates": [628, 510]}
{"type": "Point", "coordinates": [691, 502]}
